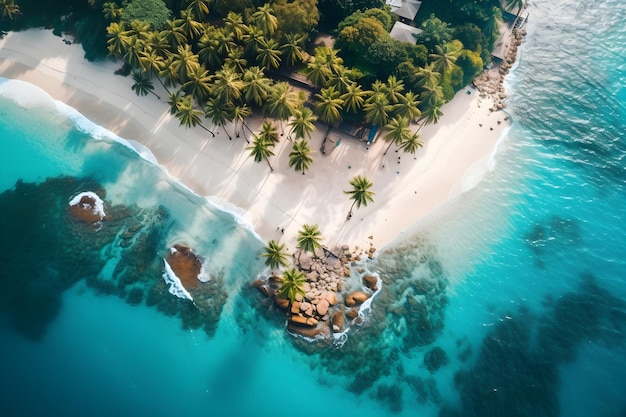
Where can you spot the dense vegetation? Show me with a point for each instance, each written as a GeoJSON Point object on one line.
{"type": "Point", "coordinates": [220, 60]}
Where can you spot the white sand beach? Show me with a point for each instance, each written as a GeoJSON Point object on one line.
{"type": "Point", "coordinates": [455, 156]}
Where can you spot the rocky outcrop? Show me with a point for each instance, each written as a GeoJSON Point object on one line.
{"type": "Point", "coordinates": [356, 298]}
{"type": "Point", "coordinates": [185, 264]}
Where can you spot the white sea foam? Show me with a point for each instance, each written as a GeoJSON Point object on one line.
{"type": "Point", "coordinates": [25, 94]}
{"type": "Point", "coordinates": [175, 285]}
{"type": "Point", "coordinates": [29, 95]}
{"type": "Point", "coordinates": [98, 207]}
{"type": "Point", "coordinates": [366, 307]}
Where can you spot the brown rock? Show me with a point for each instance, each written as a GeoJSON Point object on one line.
{"type": "Point", "coordinates": [356, 297]}
{"type": "Point", "coordinates": [298, 319]}
{"type": "Point", "coordinates": [305, 261]}
{"type": "Point", "coordinates": [352, 313]}
{"type": "Point", "coordinates": [259, 284]}
{"type": "Point", "coordinates": [330, 297]}
{"type": "Point", "coordinates": [281, 302]}
{"type": "Point", "coordinates": [295, 307]}
{"type": "Point", "coordinates": [185, 264]}
{"type": "Point", "coordinates": [370, 282]}
{"type": "Point", "coordinates": [85, 210]}
{"type": "Point", "coordinates": [322, 307]}
{"type": "Point", "coordinates": [337, 321]}
{"type": "Point", "coordinates": [304, 306]}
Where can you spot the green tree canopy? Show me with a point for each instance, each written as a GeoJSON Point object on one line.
{"type": "Point", "coordinates": [435, 32]}
{"type": "Point", "coordinates": [297, 16]}
{"type": "Point", "coordinates": [154, 12]}
{"type": "Point", "coordinates": [275, 255]}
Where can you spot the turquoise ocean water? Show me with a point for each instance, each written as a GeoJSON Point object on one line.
{"type": "Point", "coordinates": [509, 301]}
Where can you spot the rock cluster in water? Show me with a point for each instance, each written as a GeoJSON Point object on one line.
{"type": "Point", "coordinates": [116, 249]}
{"type": "Point", "coordinates": [327, 307]}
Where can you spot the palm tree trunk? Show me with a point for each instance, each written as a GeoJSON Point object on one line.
{"type": "Point", "coordinates": [387, 150]}
{"type": "Point", "coordinates": [208, 130]}
{"type": "Point", "coordinates": [350, 212]}
{"type": "Point", "coordinates": [268, 164]}
{"type": "Point", "coordinates": [155, 94]}
{"type": "Point", "coordinates": [227, 134]}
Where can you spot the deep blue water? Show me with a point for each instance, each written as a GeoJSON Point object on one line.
{"type": "Point", "coordinates": [521, 282]}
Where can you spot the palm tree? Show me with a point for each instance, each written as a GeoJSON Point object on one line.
{"type": "Point", "coordinates": [300, 157]}
{"type": "Point", "coordinates": [261, 150]}
{"type": "Point", "coordinates": [377, 109]}
{"type": "Point", "coordinates": [397, 131]}
{"type": "Point", "coordinates": [233, 23]}
{"type": "Point", "coordinates": [252, 39]}
{"type": "Point", "coordinates": [174, 100]}
{"type": "Point", "coordinates": [198, 83]}
{"type": "Point", "coordinates": [174, 34]}
{"type": "Point", "coordinates": [168, 73]}
{"type": "Point", "coordinates": [238, 115]}
{"type": "Point", "coordinates": [190, 26]}
{"type": "Point", "coordinates": [292, 284]}
{"type": "Point", "coordinates": [411, 144]}
{"type": "Point", "coordinates": [429, 96]}
{"type": "Point", "coordinates": [119, 39]}
{"type": "Point", "coordinates": [269, 133]}
{"type": "Point", "coordinates": [360, 193]}
{"type": "Point", "coordinates": [256, 85]}
{"type": "Point", "coordinates": [309, 238]}
{"type": "Point", "coordinates": [218, 111]}
{"type": "Point", "coordinates": [142, 85]}
{"type": "Point", "coordinates": [442, 60]}
{"type": "Point", "coordinates": [354, 97]}
{"type": "Point", "coordinates": [292, 48]}
{"type": "Point", "coordinates": [432, 114]}
{"type": "Point", "coordinates": [265, 19]}
{"type": "Point", "coordinates": [207, 49]}
{"type": "Point", "coordinates": [185, 62]}
{"type": "Point", "coordinates": [303, 123]}
{"type": "Point", "coordinates": [282, 103]}
{"type": "Point", "coordinates": [408, 106]}
{"type": "Point", "coordinates": [158, 44]}
{"type": "Point", "coordinates": [227, 84]}
{"type": "Point", "coordinates": [189, 116]}
{"type": "Point", "coordinates": [236, 60]}
{"type": "Point", "coordinates": [268, 54]}
{"type": "Point", "coordinates": [275, 255]}
{"type": "Point", "coordinates": [200, 8]}
{"type": "Point", "coordinates": [340, 79]}
{"type": "Point", "coordinates": [134, 51]}
{"type": "Point", "coordinates": [427, 76]}
{"type": "Point", "coordinates": [9, 9]}
{"type": "Point", "coordinates": [393, 89]}
{"type": "Point", "coordinates": [186, 113]}
{"type": "Point", "coordinates": [111, 10]}
{"type": "Point", "coordinates": [329, 105]}
{"type": "Point", "coordinates": [152, 63]}
{"type": "Point", "coordinates": [318, 72]}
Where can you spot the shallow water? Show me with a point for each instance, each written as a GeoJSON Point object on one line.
{"type": "Point", "coordinates": [521, 282]}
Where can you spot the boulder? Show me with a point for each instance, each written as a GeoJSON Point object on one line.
{"type": "Point", "coordinates": [331, 297]}
{"type": "Point", "coordinates": [355, 298]}
{"type": "Point", "coordinates": [298, 319]}
{"type": "Point", "coordinates": [322, 307]}
{"type": "Point", "coordinates": [259, 284]}
{"type": "Point", "coordinates": [305, 305]}
{"type": "Point", "coordinates": [305, 261]}
{"type": "Point", "coordinates": [337, 321]}
{"type": "Point", "coordinates": [332, 262]}
{"type": "Point", "coordinates": [312, 276]}
{"type": "Point", "coordinates": [371, 282]}
{"type": "Point", "coordinates": [281, 302]}
{"type": "Point", "coordinates": [352, 313]}
{"type": "Point", "coordinates": [295, 307]}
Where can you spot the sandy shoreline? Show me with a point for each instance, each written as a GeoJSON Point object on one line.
{"type": "Point", "coordinates": [455, 156]}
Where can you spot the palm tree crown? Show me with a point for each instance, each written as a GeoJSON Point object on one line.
{"type": "Point", "coordinates": [360, 192]}
{"type": "Point", "coordinates": [275, 255]}
{"type": "Point", "coordinates": [309, 238]}
{"type": "Point", "coordinates": [300, 158]}
{"type": "Point", "coordinates": [292, 284]}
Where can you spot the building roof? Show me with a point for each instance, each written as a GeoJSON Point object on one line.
{"type": "Point", "coordinates": [404, 32]}
{"type": "Point", "coordinates": [404, 8]}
